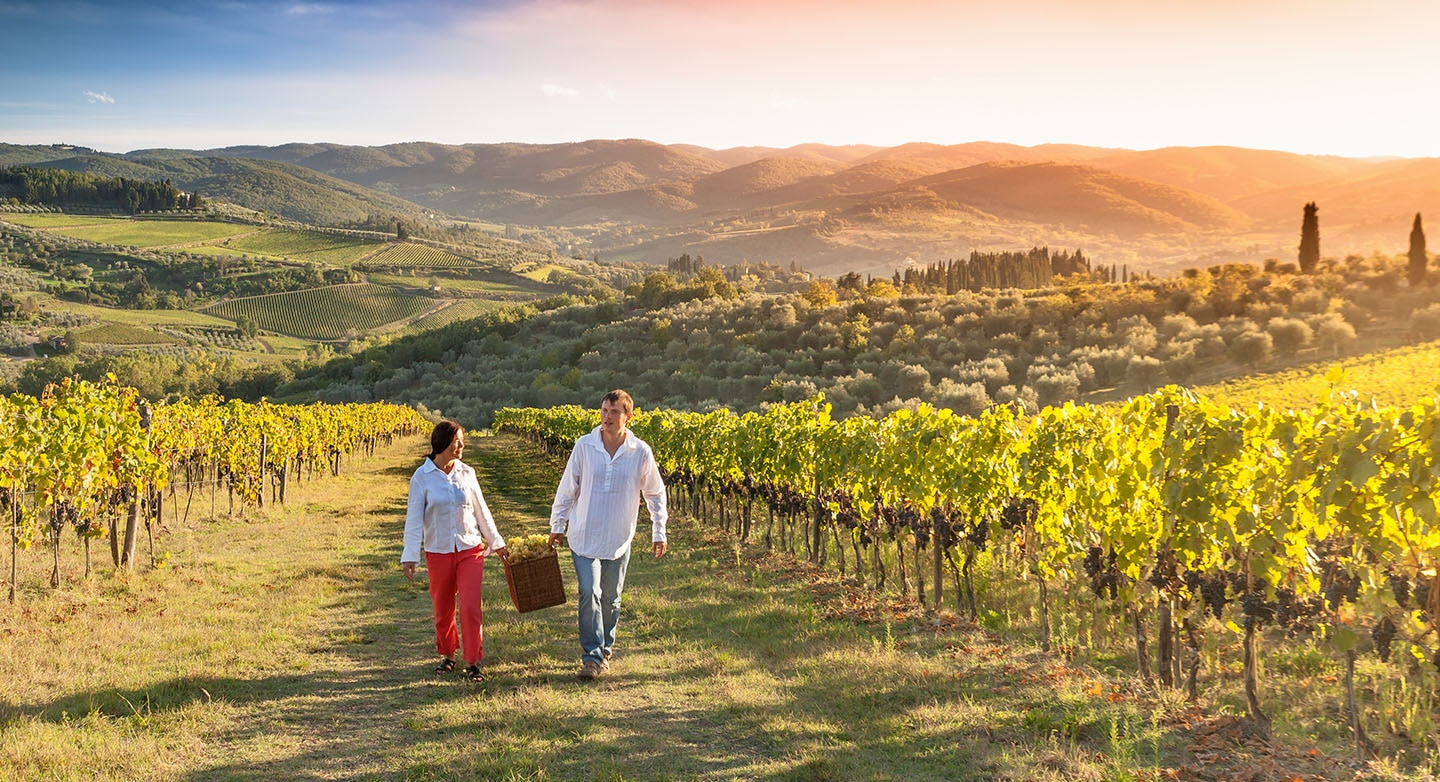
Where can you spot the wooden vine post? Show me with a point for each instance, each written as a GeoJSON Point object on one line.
{"type": "Point", "coordinates": [132, 520]}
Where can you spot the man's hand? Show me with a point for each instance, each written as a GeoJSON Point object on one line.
{"type": "Point", "coordinates": [408, 568]}
{"type": "Point", "coordinates": [556, 538]}
{"type": "Point", "coordinates": [660, 548]}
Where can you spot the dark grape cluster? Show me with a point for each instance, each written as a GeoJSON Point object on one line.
{"type": "Point", "coordinates": [1018, 512]}
{"type": "Point", "coordinates": [945, 525]}
{"type": "Point", "coordinates": [1213, 594]}
{"type": "Point", "coordinates": [1338, 587]}
{"type": "Point", "coordinates": [1400, 587]}
{"type": "Point", "coordinates": [1256, 608]}
{"type": "Point", "coordinates": [846, 514]}
{"type": "Point", "coordinates": [979, 533]}
{"type": "Point", "coordinates": [1383, 633]}
{"type": "Point", "coordinates": [1293, 613]}
{"type": "Point", "coordinates": [64, 514]}
{"type": "Point", "coordinates": [916, 522]}
{"type": "Point", "coordinates": [783, 500]}
{"type": "Point", "coordinates": [1103, 573]}
{"type": "Point", "coordinates": [1166, 573]}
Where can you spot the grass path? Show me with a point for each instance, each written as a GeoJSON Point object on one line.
{"type": "Point", "coordinates": [290, 647]}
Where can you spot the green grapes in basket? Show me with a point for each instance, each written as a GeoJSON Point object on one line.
{"type": "Point", "coordinates": [528, 547]}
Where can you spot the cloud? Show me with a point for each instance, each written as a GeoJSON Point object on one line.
{"type": "Point", "coordinates": [98, 97]}
{"type": "Point", "coordinates": [309, 9]}
{"type": "Point", "coordinates": [555, 90]}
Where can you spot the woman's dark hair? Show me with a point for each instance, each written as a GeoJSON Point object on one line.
{"type": "Point", "coordinates": [441, 437]}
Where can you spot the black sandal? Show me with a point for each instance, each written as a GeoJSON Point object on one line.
{"type": "Point", "coordinates": [473, 674]}
{"type": "Point", "coordinates": [446, 665]}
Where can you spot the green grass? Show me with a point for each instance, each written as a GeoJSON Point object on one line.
{"type": "Point", "coordinates": [322, 248]}
{"type": "Point", "coordinates": [539, 272]}
{"type": "Point", "coordinates": [286, 644]}
{"type": "Point", "coordinates": [228, 250]}
{"type": "Point", "coordinates": [152, 233]}
{"type": "Point", "coordinates": [46, 221]}
{"type": "Point", "coordinates": [1396, 377]}
{"type": "Point", "coordinates": [170, 318]}
{"type": "Point", "coordinates": [122, 334]}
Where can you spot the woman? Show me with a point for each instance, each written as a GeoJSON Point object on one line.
{"type": "Point", "coordinates": [447, 515]}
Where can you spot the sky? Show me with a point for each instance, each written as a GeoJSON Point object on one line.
{"type": "Point", "coordinates": [1356, 78]}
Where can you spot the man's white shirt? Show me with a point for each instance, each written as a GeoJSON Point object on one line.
{"type": "Point", "coordinates": [599, 496]}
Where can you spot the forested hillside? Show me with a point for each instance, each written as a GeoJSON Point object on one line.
{"type": "Point", "coordinates": [872, 348]}
{"type": "Point", "coordinates": [280, 189]}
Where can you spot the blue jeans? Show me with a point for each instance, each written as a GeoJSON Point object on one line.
{"type": "Point", "coordinates": [600, 582]}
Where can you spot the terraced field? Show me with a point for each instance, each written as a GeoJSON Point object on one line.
{"type": "Point", "coordinates": [331, 313]}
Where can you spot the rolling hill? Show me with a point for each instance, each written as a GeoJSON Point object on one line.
{"type": "Point", "coordinates": [636, 200]}
{"type": "Point", "coordinates": [287, 190]}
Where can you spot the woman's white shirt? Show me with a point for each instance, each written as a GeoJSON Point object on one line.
{"type": "Point", "coordinates": [447, 512]}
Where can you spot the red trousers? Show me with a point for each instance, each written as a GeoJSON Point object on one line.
{"type": "Point", "coordinates": [453, 575]}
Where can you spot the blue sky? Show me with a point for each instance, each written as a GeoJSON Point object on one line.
{"type": "Point", "coordinates": [1315, 76]}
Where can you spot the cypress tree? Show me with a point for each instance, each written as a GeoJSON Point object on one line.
{"type": "Point", "coordinates": [1419, 259]}
{"type": "Point", "coordinates": [1310, 239]}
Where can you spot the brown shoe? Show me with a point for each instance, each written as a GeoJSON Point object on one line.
{"type": "Point", "coordinates": [589, 670]}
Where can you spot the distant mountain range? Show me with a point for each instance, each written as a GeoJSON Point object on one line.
{"type": "Point", "coordinates": [831, 209]}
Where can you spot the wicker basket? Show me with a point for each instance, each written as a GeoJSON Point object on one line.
{"type": "Point", "coordinates": [535, 583]}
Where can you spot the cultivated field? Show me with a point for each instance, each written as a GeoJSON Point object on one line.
{"type": "Point", "coordinates": [142, 233]}
{"type": "Point", "coordinates": [314, 247]}
{"type": "Point", "coordinates": [47, 221]}
{"type": "Point", "coordinates": [407, 255]}
{"type": "Point", "coordinates": [455, 311]}
{"type": "Point", "coordinates": [330, 313]}
{"type": "Point", "coordinates": [121, 334]}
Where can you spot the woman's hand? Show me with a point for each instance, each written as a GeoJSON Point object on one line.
{"type": "Point", "coordinates": [502, 551]}
{"type": "Point", "coordinates": [408, 568]}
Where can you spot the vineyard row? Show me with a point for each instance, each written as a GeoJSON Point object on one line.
{"type": "Point", "coordinates": [80, 451]}
{"type": "Point", "coordinates": [1189, 515]}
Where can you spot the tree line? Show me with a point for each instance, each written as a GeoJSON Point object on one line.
{"type": "Point", "coordinates": [1035, 268]}
{"type": "Point", "coordinates": [49, 186]}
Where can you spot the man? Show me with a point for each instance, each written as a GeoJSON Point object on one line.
{"type": "Point", "coordinates": [609, 470]}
